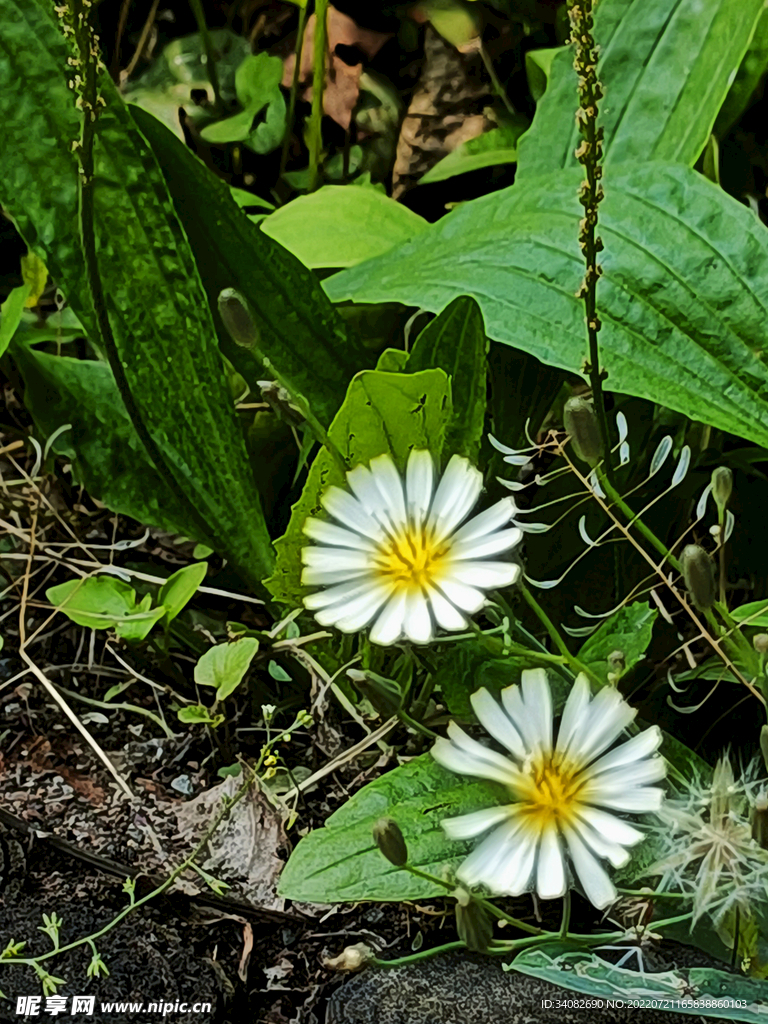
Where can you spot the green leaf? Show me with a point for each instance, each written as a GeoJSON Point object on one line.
{"type": "Point", "coordinates": [268, 134]}
{"type": "Point", "coordinates": [107, 455]}
{"type": "Point", "coordinates": [302, 339]}
{"type": "Point", "coordinates": [157, 308]}
{"type": "Point", "coordinates": [753, 614]}
{"type": "Point", "coordinates": [198, 714]}
{"type": "Point", "coordinates": [257, 82]}
{"type": "Point", "coordinates": [104, 602]}
{"type": "Point", "coordinates": [628, 630]}
{"type": "Point", "coordinates": [180, 588]}
{"type": "Point", "coordinates": [498, 146]}
{"type": "Point", "coordinates": [340, 862]}
{"type": "Point", "coordinates": [383, 412]}
{"type": "Point", "coordinates": [683, 297]}
{"type": "Point", "coordinates": [702, 988]}
{"type": "Point", "coordinates": [224, 665]}
{"type": "Point", "coordinates": [12, 310]}
{"type": "Point", "coordinates": [455, 342]}
{"type": "Point", "coordinates": [538, 67]}
{"type": "Point", "coordinates": [752, 70]}
{"type": "Point", "coordinates": [666, 66]}
{"type": "Point", "coordinates": [338, 226]}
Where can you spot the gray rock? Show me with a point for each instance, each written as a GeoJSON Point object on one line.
{"type": "Point", "coordinates": [467, 988]}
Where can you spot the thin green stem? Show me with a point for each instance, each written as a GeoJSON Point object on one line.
{"type": "Point", "coordinates": [303, 12]}
{"type": "Point", "coordinates": [566, 919]}
{"type": "Point", "coordinates": [574, 663]}
{"type": "Point", "coordinates": [320, 47]}
{"type": "Point", "coordinates": [211, 56]}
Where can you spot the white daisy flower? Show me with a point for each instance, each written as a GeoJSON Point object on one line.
{"type": "Point", "coordinates": [559, 825]}
{"type": "Point", "coordinates": [399, 558]}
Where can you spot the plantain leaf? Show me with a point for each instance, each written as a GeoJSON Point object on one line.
{"type": "Point", "coordinates": [173, 378]}
{"type": "Point", "coordinates": [666, 66]}
{"type": "Point", "coordinates": [340, 861]}
{"type": "Point", "coordinates": [383, 412]}
{"type": "Point", "coordinates": [683, 297]}
{"type": "Point", "coordinates": [303, 341]}
{"type": "Point", "coordinates": [455, 342]}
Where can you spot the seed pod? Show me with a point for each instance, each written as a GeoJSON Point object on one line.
{"type": "Point", "coordinates": [237, 318]}
{"type": "Point", "coordinates": [760, 820]}
{"type": "Point", "coordinates": [474, 925]}
{"type": "Point", "coordinates": [385, 694]}
{"type": "Point", "coordinates": [764, 744]}
{"type": "Point", "coordinates": [722, 486]}
{"type": "Point", "coordinates": [390, 841]}
{"type": "Point", "coordinates": [581, 423]}
{"type": "Point", "coordinates": [760, 643]}
{"type": "Point", "coordinates": [699, 575]}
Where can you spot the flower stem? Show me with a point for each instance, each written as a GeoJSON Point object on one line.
{"type": "Point", "coordinates": [210, 51]}
{"type": "Point", "coordinates": [294, 88]}
{"type": "Point", "coordinates": [566, 914]}
{"type": "Point", "coordinates": [320, 46]}
{"type": "Point", "coordinates": [574, 663]}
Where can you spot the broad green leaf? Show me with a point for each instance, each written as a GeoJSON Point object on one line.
{"type": "Point", "coordinates": [498, 146]}
{"type": "Point", "coordinates": [10, 314]}
{"type": "Point", "coordinates": [303, 341]}
{"type": "Point", "coordinates": [538, 67]}
{"type": "Point", "coordinates": [338, 226]}
{"type": "Point", "coordinates": [244, 199]}
{"type": "Point", "coordinates": [104, 602]}
{"type": "Point", "coordinates": [268, 134]}
{"type": "Point", "coordinates": [683, 298]}
{"type": "Point", "coordinates": [696, 990]}
{"type": "Point", "coordinates": [666, 66]}
{"type": "Point", "coordinates": [224, 665]}
{"type": "Point", "coordinates": [340, 861]}
{"type": "Point", "coordinates": [257, 82]}
{"type": "Point", "coordinates": [107, 455]}
{"type": "Point", "coordinates": [230, 129]}
{"type": "Point", "coordinates": [383, 412]}
{"type": "Point", "coordinates": [627, 631]}
{"type": "Point", "coordinates": [455, 342]}
{"type": "Point", "coordinates": [180, 588]}
{"type": "Point", "coordinates": [165, 340]}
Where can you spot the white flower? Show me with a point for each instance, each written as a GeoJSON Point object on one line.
{"type": "Point", "coordinates": [562, 795]}
{"type": "Point", "coordinates": [399, 558]}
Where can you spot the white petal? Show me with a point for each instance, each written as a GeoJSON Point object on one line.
{"type": "Point", "coordinates": [608, 715]}
{"type": "Point", "coordinates": [485, 574]}
{"type": "Point", "coordinates": [456, 495]}
{"type": "Point", "coordinates": [602, 847]}
{"type": "Point", "coordinates": [550, 871]}
{"type": "Point", "coordinates": [418, 621]}
{"type": "Point", "coordinates": [447, 616]}
{"type": "Point", "coordinates": [636, 749]}
{"type": "Point", "coordinates": [538, 704]}
{"type": "Point", "coordinates": [514, 875]}
{"type": "Point", "coordinates": [337, 559]}
{"type": "Point", "coordinates": [487, 860]}
{"type": "Point", "coordinates": [419, 479]}
{"type": "Point", "coordinates": [350, 512]}
{"type": "Point", "coordinates": [313, 577]}
{"type": "Point", "coordinates": [492, 519]}
{"type": "Point", "coordinates": [356, 614]}
{"type": "Point", "coordinates": [610, 827]}
{"type": "Point", "coordinates": [470, 825]}
{"type": "Point", "coordinates": [576, 708]}
{"type": "Point", "coordinates": [338, 594]}
{"type": "Point", "coordinates": [494, 720]}
{"type": "Point", "coordinates": [390, 487]}
{"type": "Point", "coordinates": [338, 536]}
{"type": "Point", "coordinates": [492, 544]}
{"type": "Point", "coordinates": [639, 773]}
{"type": "Point", "coordinates": [389, 626]}
{"type": "Point", "coordinates": [598, 887]}
{"type": "Point", "coordinates": [363, 485]}
{"type": "Point", "coordinates": [631, 801]}
{"type": "Point", "coordinates": [468, 599]}
{"type": "Point", "coordinates": [461, 753]}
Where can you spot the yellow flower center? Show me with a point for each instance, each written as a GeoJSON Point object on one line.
{"type": "Point", "coordinates": [410, 559]}
{"type": "Point", "coordinates": [549, 794]}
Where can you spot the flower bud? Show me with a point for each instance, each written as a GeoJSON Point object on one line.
{"type": "Point", "coordinates": [722, 486]}
{"type": "Point", "coordinates": [764, 744]}
{"type": "Point", "coordinates": [352, 958]}
{"type": "Point", "coordinates": [237, 318]}
{"type": "Point", "coordinates": [581, 423]}
{"type": "Point", "coordinates": [699, 575]}
{"type": "Point", "coordinates": [760, 820]}
{"type": "Point", "coordinates": [474, 925]}
{"type": "Point", "coordinates": [390, 841]}
{"type": "Point", "coordinates": [385, 694]}
{"type": "Point", "coordinates": [760, 643]}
